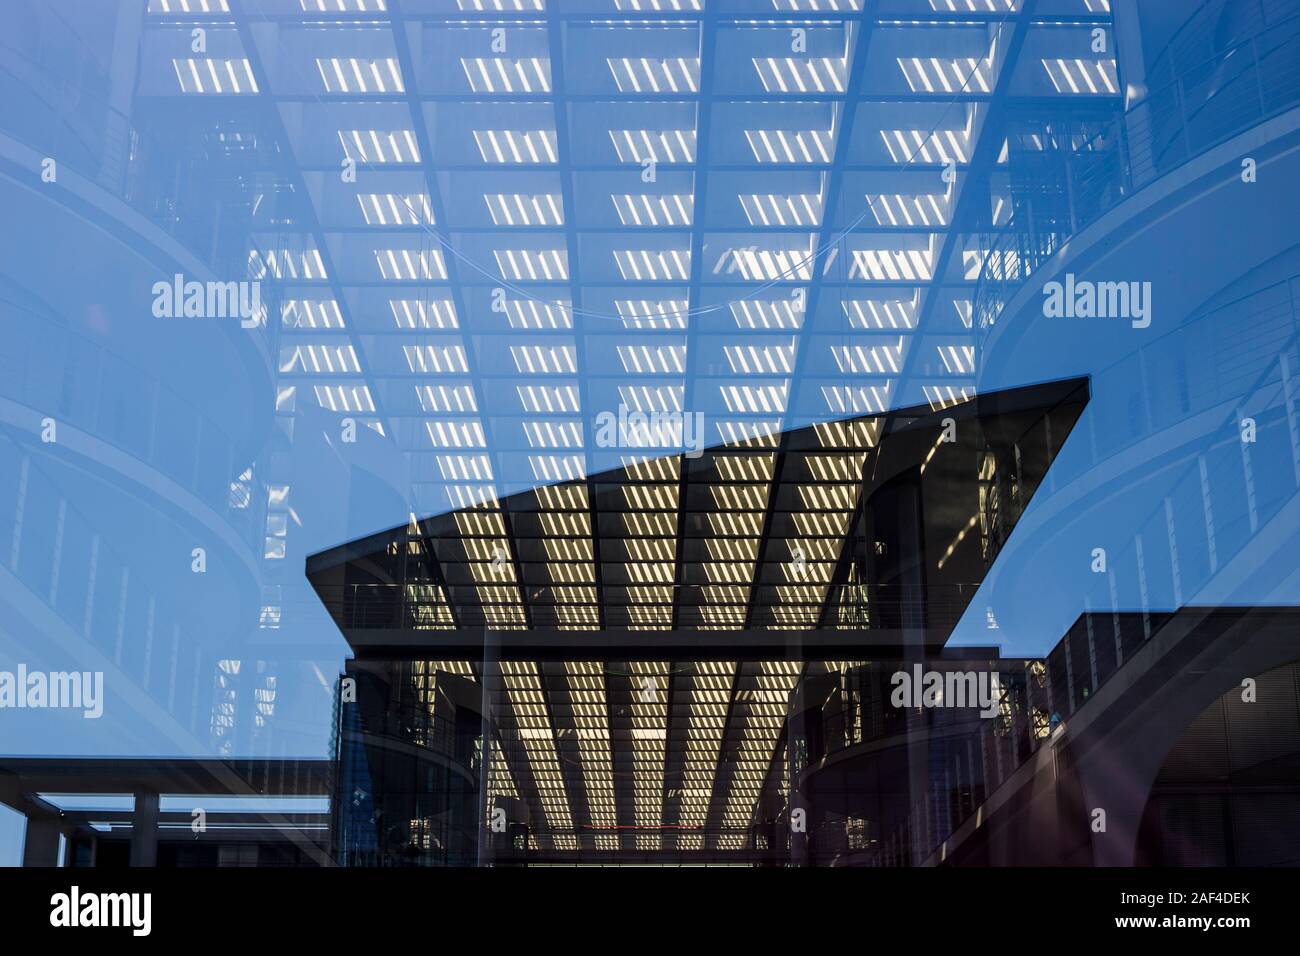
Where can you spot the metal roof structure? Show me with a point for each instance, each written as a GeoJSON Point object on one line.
{"type": "Point", "coordinates": [493, 222]}
{"type": "Point", "coordinates": [747, 537]}
{"type": "Point", "coordinates": [632, 714]}
{"type": "Point", "coordinates": [636, 286]}
{"type": "Point", "coordinates": [648, 755]}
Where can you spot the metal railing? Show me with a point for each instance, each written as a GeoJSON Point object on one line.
{"type": "Point", "coordinates": [76, 380]}
{"type": "Point", "coordinates": [202, 198]}
{"type": "Point", "coordinates": [1084, 176]}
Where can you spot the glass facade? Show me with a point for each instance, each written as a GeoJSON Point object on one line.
{"type": "Point", "coordinates": [600, 432]}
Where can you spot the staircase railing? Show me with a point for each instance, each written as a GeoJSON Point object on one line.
{"type": "Point", "coordinates": [1250, 81]}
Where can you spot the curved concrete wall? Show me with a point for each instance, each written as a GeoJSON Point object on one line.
{"type": "Point", "coordinates": [1165, 398]}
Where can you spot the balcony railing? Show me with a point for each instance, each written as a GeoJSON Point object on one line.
{"type": "Point", "coordinates": [1080, 177]}
{"type": "Point", "coordinates": [201, 193]}
{"type": "Point", "coordinates": [78, 381]}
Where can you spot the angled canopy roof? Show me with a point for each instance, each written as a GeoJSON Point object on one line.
{"type": "Point", "coordinates": [708, 543]}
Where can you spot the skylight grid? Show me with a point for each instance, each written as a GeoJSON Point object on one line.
{"type": "Point", "coordinates": [565, 498]}
{"type": "Point", "coordinates": [535, 314]}
{"type": "Point", "coordinates": [550, 399]}
{"type": "Point", "coordinates": [562, 530]}
{"type": "Point", "coordinates": [355, 75]}
{"type": "Point", "coordinates": [649, 705]}
{"type": "Point", "coordinates": [506, 75]}
{"type": "Point", "coordinates": [652, 398]}
{"type": "Point", "coordinates": [1081, 77]}
{"type": "Point", "coordinates": [311, 314]}
{"type": "Point", "coordinates": [586, 686]}
{"type": "Point", "coordinates": [446, 398]}
{"type": "Point", "coordinates": [974, 6]}
{"type": "Point", "coordinates": [532, 396]}
{"type": "Point", "coordinates": [649, 498]}
{"type": "Point", "coordinates": [857, 399]}
{"type": "Point", "coordinates": [957, 359]}
{"type": "Point", "coordinates": [395, 209]}
{"type": "Point", "coordinates": [415, 314]}
{"type": "Point", "coordinates": [380, 146]}
{"type": "Point", "coordinates": [553, 434]}
{"type": "Point", "coordinates": [653, 314]}
{"type": "Point", "coordinates": [462, 496]}
{"type": "Point", "coordinates": [768, 313]}
{"type": "Point", "coordinates": [505, 617]}
{"type": "Point", "coordinates": [287, 263]}
{"type": "Point", "coordinates": [549, 468]}
{"type": "Point", "coordinates": [817, 6]}
{"type": "Point", "coordinates": [642, 359]}
{"type": "Point", "coordinates": [319, 358]}
{"type": "Point", "coordinates": [925, 209]}
{"type": "Point", "coordinates": [501, 6]}
{"type": "Point", "coordinates": [658, 5]}
{"type": "Point", "coordinates": [655, 75]}
{"type": "Point", "coordinates": [188, 6]}
{"type": "Point", "coordinates": [756, 399]}
{"type": "Point", "coordinates": [544, 359]}
{"type": "Point", "coordinates": [827, 497]}
{"type": "Point", "coordinates": [536, 735]}
{"type": "Point", "coordinates": [859, 359]}
{"type": "Point", "coordinates": [410, 265]}
{"type": "Point", "coordinates": [766, 265]}
{"type": "Point", "coordinates": [436, 359]}
{"type": "Point", "coordinates": [649, 209]}
{"type": "Point", "coordinates": [653, 265]}
{"type": "Point", "coordinates": [965, 309]}
{"type": "Point", "coordinates": [344, 398]}
{"type": "Point", "coordinates": [537, 265]}
{"type": "Point", "coordinates": [521, 209]}
{"type": "Point", "coordinates": [737, 496]}
{"type": "Point", "coordinates": [770, 209]}
{"type": "Point", "coordinates": [765, 696]}
{"type": "Point", "coordinates": [215, 75]}
{"type": "Point", "coordinates": [942, 396]}
{"type": "Point", "coordinates": [343, 6]}
{"type": "Point", "coordinates": [934, 74]}
{"type": "Point", "coordinates": [749, 433]}
{"type": "Point", "coordinates": [767, 359]}
{"type": "Point", "coordinates": [519, 147]}
{"type": "Point", "coordinates": [499, 778]}
{"type": "Point", "coordinates": [449, 434]}
{"type": "Point", "coordinates": [802, 74]}
{"type": "Point", "coordinates": [891, 265]}
{"type": "Point", "coordinates": [929, 146]}
{"type": "Point", "coordinates": [580, 574]}
{"type": "Point", "coordinates": [791, 146]}
{"type": "Point", "coordinates": [880, 313]}
{"type": "Point", "coordinates": [658, 146]}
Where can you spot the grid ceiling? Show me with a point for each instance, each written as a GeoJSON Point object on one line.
{"type": "Point", "coordinates": [643, 755]}
{"type": "Point", "coordinates": [747, 535]}
{"type": "Point", "coordinates": [563, 209]}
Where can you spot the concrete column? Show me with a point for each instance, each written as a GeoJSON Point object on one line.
{"type": "Point", "coordinates": [796, 726]}
{"type": "Point", "coordinates": [41, 847]}
{"type": "Point", "coordinates": [1131, 63]}
{"type": "Point", "coordinates": [144, 829]}
{"type": "Point", "coordinates": [126, 56]}
{"type": "Point", "coordinates": [490, 680]}
{"type": "Point", "coordinates": [1129, 57]}
{"type": "Point", "coordinates": [910, 548]}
